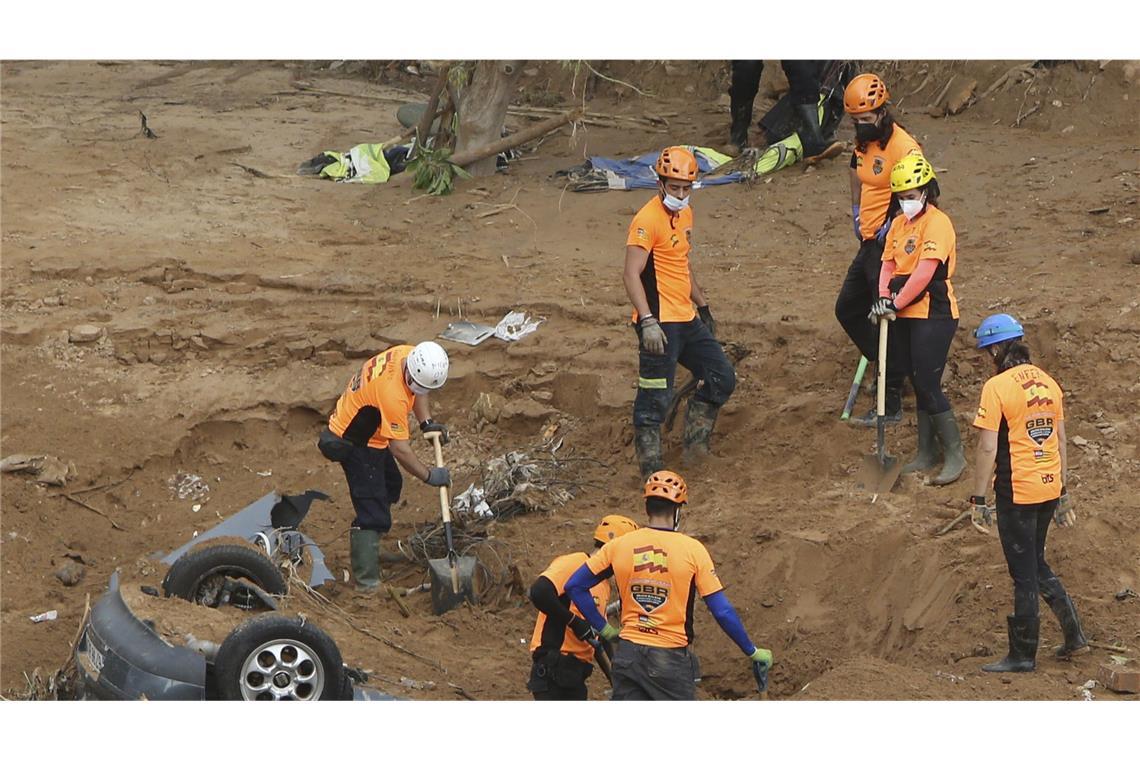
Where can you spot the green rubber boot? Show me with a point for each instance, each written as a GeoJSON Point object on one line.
{"type": "Point", "coordinates": [928, 449]}
{"type": "Point", "coordinates": [946, 429]}
{"type": "Point", "coordinates": [647, 442]}
{"type": "Point", "coordinates": [364, 552]}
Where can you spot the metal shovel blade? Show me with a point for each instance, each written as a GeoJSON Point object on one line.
{"type": "Point", "coordinates": [443, 594]}
{"type": "Point", "coordinates": [879, 475]}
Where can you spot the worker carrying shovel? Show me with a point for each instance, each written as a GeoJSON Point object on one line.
{"type": "Point", "coordinates": [563, 645]}
{"type": "Point", "coordinates": [368, 434]}
{"type": "Point", "coordinates": [671, 317]}
{"type": "Point", "coordinates": [658, 570]}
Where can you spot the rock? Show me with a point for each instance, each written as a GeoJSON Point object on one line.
{"type": "Point", "coordinates": [526, 408]}
{"type": "Point", "coordinates": [1136, 257]}
{"type": "Point", "coordinates": [1079, 441]}
{"type": "Point", "coordinates": [85, 334]}
{"type": "Point", "coordinates": [70, 573]}
{"type": "Point", "coordinates": [936, 111]}
{"type": "Point", "coordinates": [1006, 679]}
{"type": "Point", "coordinates": [544, 396]}
{"type": "Point", "coordinates": [149, 301]}
{"type": "Point", "coordinates": [328, 358]}
{"type": "Point", "coordinates": [51, 301]}
{"type": "Point", "coordinates": [302, 349]}
{"type": "Point", "coordinates": [189, 283]}
{"type": "Point", "coordinates": [487, 409]}
{"type": "Point", "coordinates": [960, 96]}
{"type": "Point", "coordinates": [239, 288]}
{"type": "Point", "coordinates": [198, 342]}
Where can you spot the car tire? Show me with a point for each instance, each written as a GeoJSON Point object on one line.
{"type": "Point", "coordinates": [274, 657]}
{"type": "Point", "coordinates": [192, 576]}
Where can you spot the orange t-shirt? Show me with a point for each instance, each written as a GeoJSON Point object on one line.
{"type": "Point", "coordinates": [668, 239]}
{"type": "Point", "coordinates": [560, 570]}
{"type": "Point", "coordinates": [1024, 406]}
{"type": "Point", "coordinates": [873, 168]}
{"type": "Point", "coordinates": [928, 236]}
{"type": "Point", "coordinates": [657, 572]}
{"type": "Point", "coordinates": [378, 391]}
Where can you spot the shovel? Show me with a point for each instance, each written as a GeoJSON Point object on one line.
{"type": "Point", "coordinates": [452, 578]}
{"type": "Point", "coordinates": [880, 471]}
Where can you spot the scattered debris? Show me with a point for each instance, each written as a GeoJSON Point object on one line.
{"type": "Point", "coordinates": [471, 502]}
{"type": "Point", "coordinates": [1124, 593]}
{"type": "Point", "coordinates": [186, 485]}
{"type": "Point", "coordinates": [1099, 210]}
{"type": "Point", "coordinates": [85, 334]}
{"type": "Point", "coordinates": [44, 616]}
{"type": "Point", "coordinates": [146, 131]}
{"type": "Point", "coordinates": [1079, 441]}
{"type": "Point", "coordinates": [48, 470]}
{"type": "Point", "coordinates": [413, 684]}
{"type": "Point", "coordinates": [70, 573]}
{"type": "Point", "coordinates": [516, 325]}
{"type": "Point", "coordinates": [467, 332]}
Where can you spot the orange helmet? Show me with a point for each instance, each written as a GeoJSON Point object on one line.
{"type": "Point", "coordinates": [865, 93]}
{"type": "Point", "coordinates": [613, 526]}
{"type": "Point", "coordinates": [677, 162]}
{"type": "Point", "coordinates": [667, 485]}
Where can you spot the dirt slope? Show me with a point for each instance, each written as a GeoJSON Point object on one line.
{"type": "Point", "coordinates": [236, 306]}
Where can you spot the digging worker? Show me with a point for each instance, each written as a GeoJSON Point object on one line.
{"type": "Point", "coordinates": [658, 570]}
{"type": "Point", "coordinates": [671, 317]}
{"type": "Point", "coordinates": [919, 260]}
{"type": "Point", "coordinates": [880, 143]}
{"type": "Point", "coordinates": [804, 84]}
{"type": "Point", "coordinates": [563, 644]}
{"type": "Point", "coordinates": [368, 434]}
{"type": "Point", "coordinates": [1021, 425]}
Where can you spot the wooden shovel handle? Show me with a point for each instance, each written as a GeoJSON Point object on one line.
{"type": "Point", "coordinates": [434, 436]}
{"type": "Point", "coordinates": [881, 400]}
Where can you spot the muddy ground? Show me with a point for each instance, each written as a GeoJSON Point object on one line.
{"type": "Point", "coordinates": [234, 306]}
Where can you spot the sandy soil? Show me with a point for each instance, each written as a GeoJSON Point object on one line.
{"type": "Point", "coordinates": [235, 306]}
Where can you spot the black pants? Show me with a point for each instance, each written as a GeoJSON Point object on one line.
{"type": "Point", "coordinates": [1022, 529]}
{"type": "Point", "coordinates": [557, 677]}
{"type": "Point", "coordinates": [917, 348]}
{"type": "Point", "coordinates": [657, 673]}
{"type": "Point", "coordinates": [859, 290]}
{"type": "Point", "coordinates": [374, 483]}
{"type": "Point", "coordinates": [692, 346]}
{"type": "Point", "coordinates": [803, 89]}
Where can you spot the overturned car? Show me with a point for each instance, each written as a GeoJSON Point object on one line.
{"type": "Point", "coordinates": [233, 644]}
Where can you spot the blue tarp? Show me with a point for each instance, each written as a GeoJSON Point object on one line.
{"type": "Point", "coordinates": [637, 173]}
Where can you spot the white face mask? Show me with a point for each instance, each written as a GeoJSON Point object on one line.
{"type": "Point", "coordinates": [675, 204]}
{"type": "Point", "coordinates": [911, 209]}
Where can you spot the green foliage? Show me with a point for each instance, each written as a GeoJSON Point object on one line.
{"type": "Point", "coordinates": [433, 171]}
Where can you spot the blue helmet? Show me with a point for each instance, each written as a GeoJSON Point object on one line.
{"type": "Point", "coordinates": [997, 328]}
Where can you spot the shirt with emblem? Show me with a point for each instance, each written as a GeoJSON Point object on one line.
{"type": "Point", "coordinates": [666, 279]}
{"type": "Point", "coordinates": [930, 235]}
{"type": "Point", "coordinates": [374, 408]}
{"type": "Point", "coordinates": [873, 167]}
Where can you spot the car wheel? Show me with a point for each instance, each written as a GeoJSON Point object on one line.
{"type": "Point", "coordinates": [272, 657]}
{"type": "Point", "coordinates": [206, 576]}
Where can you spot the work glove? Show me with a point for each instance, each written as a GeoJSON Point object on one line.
{"type": "Point", "coordinates": [707, 317]}
{"type": "Point", "coordinates": [761, 662]}
{"type": "Point", "coordinates": [882, 308]}
{"type": "Point", "coordinates": [881, 235]}
{"type": "Point", "coordinates": [431, 426]}
{"type": "Point", "coordinates": [585, 632]}
{"type": "Point", "coordinates": [1065, 516]}
{"type": "Point", "coordinates": [438, 476]}
{"type": "Point", "coordinates": [855, 218]}
{"type": "Point", "coordinates": [981, 516]}
{"type": "Point", "coordinates": [609, 633]}
{"type": "Point", "coordinates": [652, 336]}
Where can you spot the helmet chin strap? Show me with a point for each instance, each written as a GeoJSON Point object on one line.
{"type": "Point", "coordinates": [677, 518]}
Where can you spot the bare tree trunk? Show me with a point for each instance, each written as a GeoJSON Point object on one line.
{"type": "Point", "coordinates": [484, 109]}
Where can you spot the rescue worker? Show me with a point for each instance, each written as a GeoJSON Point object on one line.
{"type": "Point", "coordinates": [563, 644]}
{"type": "Point", "coordinates": [1021, 425]}
{"type": "Point", "coordinates": [919, 259]}
{"type": "Point", "coordinates": [368, 434]}
{"type": "Point", "coordinates": [804, 84]}
{"type": "Point", "coordinates": [658, 571]}
{"type": "Point", "coordinates": [879, 144]}
{"type": "Point", "coordinates": [672, 317]}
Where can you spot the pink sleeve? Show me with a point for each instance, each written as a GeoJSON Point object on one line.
{"type": "Point", "coordinates": [886, 272]}
{"type": "Point", "coordinates": [916, 283]}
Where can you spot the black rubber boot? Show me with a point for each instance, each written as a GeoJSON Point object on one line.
{"type": "Point", "coordinates": [1066, 612]}
{"type": "Point", "coordinates": [1022, 657]}
{"type": "Point", "coordinates": [928, 449]}
{"type": "Point", "coordinates": [738, 132]}
{"type": "Point", "coordinates": [364, 553]}
{"type": "Point", "coordinates": [700, 416]}
{"type": "Point", "coordinates": [892, 408]}
{"type": "Point", "coordinates": [647, 442]}
{"type": "Point", "coordinates": [815, 147]}
{"type": "Point", "coordinates": [946, 429]}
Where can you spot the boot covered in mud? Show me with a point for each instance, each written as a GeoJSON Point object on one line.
{"type": "Point", "coordinates": [364, 553]}
{"type": "Point", "coordinates": [928, 449]}
{"type": "Point", "coordinates": [738, 132]}
{"type": "Point", "coordinates": [1022, 657]}
{"type": "Point", "coordinates": [816, 148]}
{"type": "Point", "coordinates": [946, 429]}
{"type": "Point", "coordinates": [892, 410]}
{"type": "Point", "coordinates": [1066, 612]}
{"type": "Point", "coordinates": [647, 443]}
{"type": "Point", "coordinates": [700, 417]}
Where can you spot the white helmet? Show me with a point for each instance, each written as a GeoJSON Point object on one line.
{"type": "Point", "coordinates": [427, 365]}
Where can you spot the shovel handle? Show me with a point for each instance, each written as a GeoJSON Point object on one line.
{"type": "Point", "coordinates": [850, 405]}
{"type": "Point", "coordinates": [604, 664]}
{"type": "Point", "coordinates": [881, 400]}
{"type": "Point", "coordinates": [445, 509]}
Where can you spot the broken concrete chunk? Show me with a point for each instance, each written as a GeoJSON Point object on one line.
{"type": "Point", "coordinates": [70, 573]}
{"type": "Point", "coordinates": [85, 333]}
